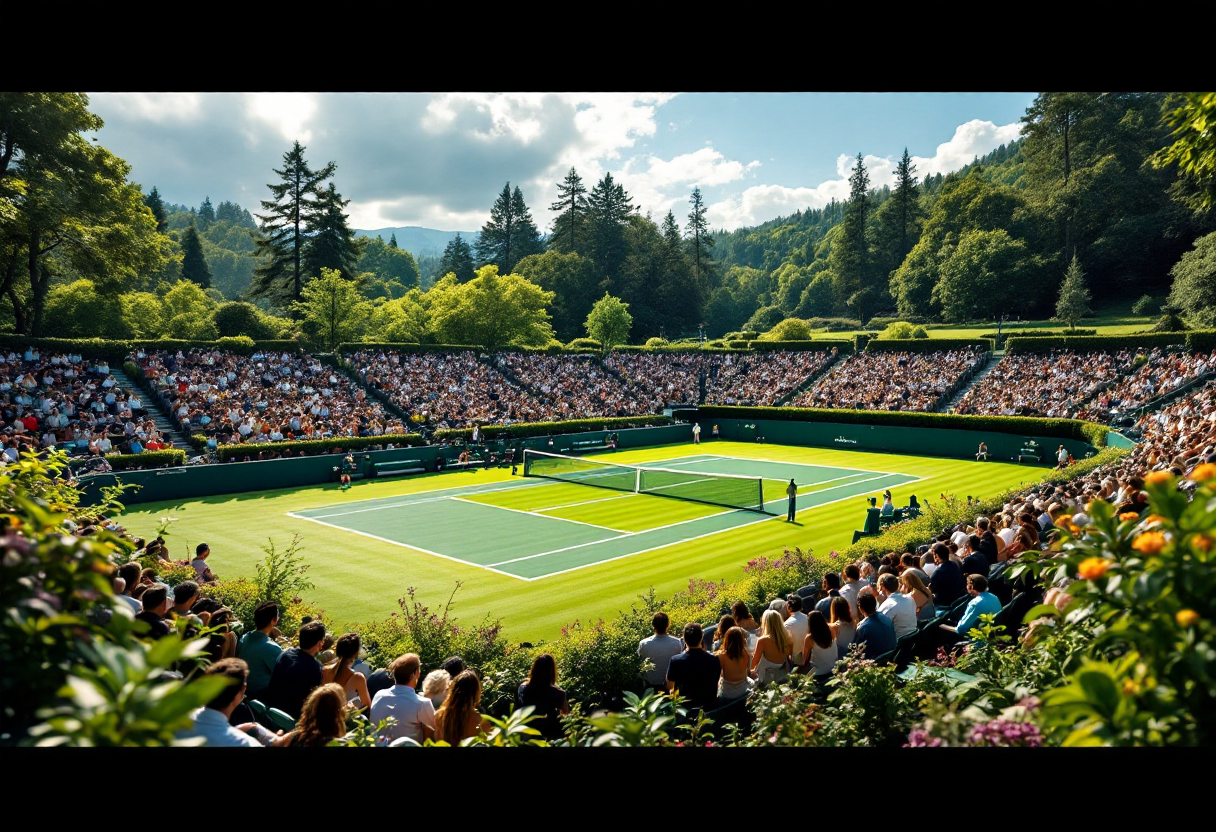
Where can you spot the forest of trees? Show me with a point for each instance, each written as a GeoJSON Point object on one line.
{"type": "Point", "coordinates": [1110, 188]}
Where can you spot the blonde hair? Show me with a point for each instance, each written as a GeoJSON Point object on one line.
{"type": "Point", "coordinates": [913, 582]}
{"type": "Point", "coordinates": [435, 685]}
{"type": "Point", "coordinates": [772, 625]}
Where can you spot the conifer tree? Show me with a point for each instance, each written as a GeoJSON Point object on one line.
{"type": "Point", "coordinates": [457, 259]}
{"type": "Point", "coordinates": [699, 240]}
{"type": "Point", "coordinates": [609, 208]}
{"type": "Point", "coordinates": [194, 264]}
{"type": "Point", "coordinates": [206, 213]}
{"type": "Point", "coordinates": [1073, 303]}
{"type": "Point", "coordinates": [280, 247]}
{"type": "Point", "coordinates": [569, 228]}
{"type": "Point", "coordinates": [331, 242]}
{"type": "Point", "coordinates": [526, 237]}
{"type": "Point", "coordinates": [392, 240]}
{"type": "Point", "coordinates": [153, 201]}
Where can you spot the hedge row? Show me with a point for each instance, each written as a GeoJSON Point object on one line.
{"type": "Point", "coordinates": [1195, 340]}
{"type": "Point", "coordinates": [118, 350]}
{"type": "Point", "coordinates": [311, 447]}
{"type": "Point", "coordinates": [814, 345]}
{"type": "Point", "coordinates": [1003, 337]}
{"type": "Point", "coordinates": [1076, 429]}
{"type": "Point", "coordinates": [526, 429]}
{"type": "Point", "coordinates": [929, 344]}
{"type": "Point", "coordinates": [167, 458]}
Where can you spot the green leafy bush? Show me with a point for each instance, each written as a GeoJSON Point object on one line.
{"type": "Point", "coordinates": [315, 446]}
{"type": "Point", "coordinates": [168, 458]}
{"type": "Point", "coordinates": [1145, 305]}
{"type": "Point", "coordinates": [657, 342]}
{"type": "Point", "coordinates": [911, 344]}
{"type": "Point", "coordinates": [920, 332]}
{"type": "Point", "coordinates": [587, 344]}
{"type": "Point", "coordinates": [791, 329]}
{"type": "Point", "coordinates": [901, 330]}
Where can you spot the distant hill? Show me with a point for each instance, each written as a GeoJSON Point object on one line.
{"type": "Point", "coordinates": [417, 240]}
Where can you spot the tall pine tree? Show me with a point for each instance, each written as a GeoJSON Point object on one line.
{"type": "Point", "coordinates": [280, 247]}
{"type": "Point", "coordinates": [700, 242]}
{"type": "Point", "coordinates": [206, 213]}
{"type": "Point", "coordinates": [609, 208]}
{"type": "Point", "coordinates": [569, 228]}
{"type": "Point", "coordinates": [526, 237]}
{"type": "Point", "coordinates": [458, 260]}
{"type": "Point", "coordinates": [153, 201]}
{"type": "Point", "coordinates": [331, 242]}
{"type": "Point", "coordinates": [194, 264]}
{"type": "Point", "coordinates": [849, 259]}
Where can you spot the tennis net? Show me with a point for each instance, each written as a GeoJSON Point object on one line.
{"type": "Point", "coordinates": [729, 490]}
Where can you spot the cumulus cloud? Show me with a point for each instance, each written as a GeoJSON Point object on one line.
{"type": "Point", "coordinates": [760, 203]}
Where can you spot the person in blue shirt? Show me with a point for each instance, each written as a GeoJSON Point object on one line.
{"type": "Point", "coordinates": [876, 631]}
{"type": "Point", "coordinates": [982, 602]}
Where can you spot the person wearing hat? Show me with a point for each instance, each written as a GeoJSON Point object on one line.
{"type": "Point", "coordinates": [205, 575]}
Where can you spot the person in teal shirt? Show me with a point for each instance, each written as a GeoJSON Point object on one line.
{"type": "Point", "coordinates": [259, 650]}
{"type": "Point", "coordinates": [982, 602]}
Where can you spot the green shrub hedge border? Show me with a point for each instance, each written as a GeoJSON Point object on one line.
{"type": "Point", "coordinates": [1193, 340]}
{"type": "Point", "coordinates": [1081, 431]}
{"type": "Point", "coordinates": [928, 345]}
{"type": "Point", "coordinates": [117, 351]}
{"type": "Point", "coordinates": [168, 458]}
{"type": "Point", "coordinates": [310, 446]}
{"type": "Point", "coordinates": [524, 430]}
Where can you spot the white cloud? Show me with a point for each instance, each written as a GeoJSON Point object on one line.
{"type": "Point", "coordinates": [155, 107]}
{"type": "Point", "coordinates": [975, 138]}
{"type": "Point", "coordinates": [287, 112]}
{"type": "Point", "coordinates": [765, 202]}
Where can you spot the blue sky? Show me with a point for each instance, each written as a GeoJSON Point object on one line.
{"type": "Point", "coordinates": [439, 160]}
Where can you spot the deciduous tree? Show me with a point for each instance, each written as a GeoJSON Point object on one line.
{"type": "Point", "coordinates": [490, 311]}
{"type": "Point", "coordinates": [609, 322]}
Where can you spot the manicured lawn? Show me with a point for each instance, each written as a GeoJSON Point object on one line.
{"type": "Point", "coordinates": [360, 577]}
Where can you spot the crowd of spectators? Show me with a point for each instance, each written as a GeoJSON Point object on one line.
{"type": "Point", "coordinates": [446, 389]}
{"type": "Point", "coordinates": [569, 386]}
{"type": "Point", "coordinates": [262, 398]}
{"type": "Point", "coordinates": [1161, 373]}
{"type": "Point", "coordinates": [66, 401]}
{"type": "Point", "coordinates": [892, 380]}
{"type": "Point", "coordinates": [1055, 385]}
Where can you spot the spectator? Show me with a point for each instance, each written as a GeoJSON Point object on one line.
{"type": "Point", "coordinates": [946, 582]}
{"type": "Point", "coordinates": [259, 651]}
{"type": "Point", "coordinates": [735, 660]}
{"type": "Point", "coordinates": [459, 718]}
{"type": "Point", "coordinates": [912, 586]}
{"type": "Point", "coordinates": [297, 672]}
{"type": "Point", "coordinates": [658, 649]}
{"type": "Point", "coordinates": [830, 586]}
{"type": "Point", "coordinates": [743, 617]}
{"type": "Point", "coordinates": [771, 658]}
{"type": "Point", "coordinates": [852, 587]}
{"type": "Point", "coordinates": [341, 670]}
{"type": "Point", "coordinates": [876, 632]}
{"type": "Point", "coordinates": [435, 686]}
{"type": "Point", "coordinates": [982, 602]}
{"type": "Point", "coordinates": [896, 606]}
{"type": "Point", "coordinates": [155, 603]}
{"type": "Point", "coordinates": [414, 714]}
{"type": "Point", "coordinates": [819, 647]}
{"type": "Point", "coordinates": [211, 722]}
{"type": "Point", "coordinates": [541, 692]}
{"type": "Point", "coordinates": [204, 573]}
{"type": "Point", "coordinates": [844, 626]}
{"type": "Point", "coordinates": [796, 625]}
{"type": "Point", "coordinates": [322, 719]}
{"type": "Point", "coordinates": [695, 673]}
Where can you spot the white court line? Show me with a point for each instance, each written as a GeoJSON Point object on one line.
{"type": "Point", "coordinates": [537, 514]}
{"type": "Point", "coordinates": [697, 520]}
{"type": "Point", "coordinates": [407, 546]}
{"type": "Point", "coordinates": [588, 502]}
{"type": "Point", "coordinates": [513, 487]}
{"type": "Point", "coordinates": [678, 542]}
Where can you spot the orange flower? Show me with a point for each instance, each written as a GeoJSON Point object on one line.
{"type": "Point", "coordinates": [1203, 473]}
{"type": "Point", "coordinates": [1158, 478]}
{"type": "Point", "coordinates": [1149, 543]}
{"type": "Point", "coordinates": [1153, 519]}
{"type": "Point", "coordinates": [1187, 618]}
{"type": "Point", "coordinates": [1129, 515]}
{"type": "Point", "coordinates": [1093, 568]}
{"type": "Point", "coordinates": [1202, 541]}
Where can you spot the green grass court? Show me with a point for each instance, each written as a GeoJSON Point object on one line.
{"type": "Point", "coordinates": [540, 554]}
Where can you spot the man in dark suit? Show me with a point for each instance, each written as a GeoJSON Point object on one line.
{"type": "Point", "coordinates": [695, 673]}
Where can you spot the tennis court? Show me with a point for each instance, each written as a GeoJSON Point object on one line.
{"type": "Point", "coordinates": [532, 528]}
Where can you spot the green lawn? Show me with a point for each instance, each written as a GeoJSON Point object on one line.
{"type": "Point", "coordinates": [359, 577]}
{"type": "Point", "coordinates": [1112, 324]}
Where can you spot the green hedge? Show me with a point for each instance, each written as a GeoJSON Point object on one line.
{"type": "Point", "coordinates": [1090, 432]}
{"type": "Point", "coordinates": [526, 429]}
{"type": "Point", "coordinates": [1004, 336]}
{"type": "Point", "coordinates": [802, 346]}
{"type": "Point", "coordinates": [116, 351]}
{"type": "Point", "coordinates": [314, 446]}
{"type": "Point", "coordinates": [862, 339]}
{"type": "Point", "coordinates": [148, 459]}
{"type": "Point", "coordinates": [928, 345]}
{"type": "Point", "coordinates": [1094, 343]}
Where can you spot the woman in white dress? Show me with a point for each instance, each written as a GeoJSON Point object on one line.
{"type": "Point", "coordinates": [774, 649]}
{"type": "Point", "coordinates": [819, 647]}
